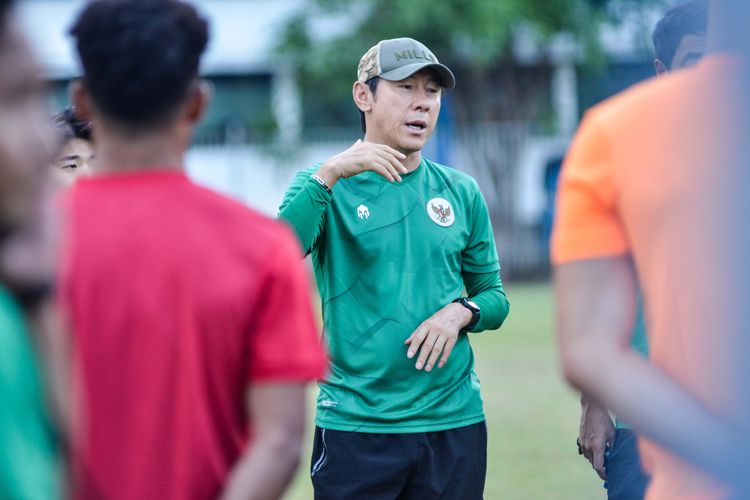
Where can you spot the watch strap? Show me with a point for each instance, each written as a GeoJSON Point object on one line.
{"type": "Point", "coordinates": [475, 313]}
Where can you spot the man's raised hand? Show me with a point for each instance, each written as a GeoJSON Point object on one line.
{"type": "Point", "coordinates": [361, 157]}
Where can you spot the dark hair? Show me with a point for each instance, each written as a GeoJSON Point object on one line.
{"type": "Point", "coordinates": [140, 58]}
{"type": "Point", "coordinates": [690, 18]}
{"type": "Point", "coordinates": [70, 126]}
{"type": "Point", "coordinates": [5, 6]}
{"type": "Point", "coordinates": [373, 84]}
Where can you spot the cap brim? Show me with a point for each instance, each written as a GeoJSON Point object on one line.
{"type": "Point", "coordinates": [445, 75]}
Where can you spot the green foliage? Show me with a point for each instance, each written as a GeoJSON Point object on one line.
{"type": "Point", "coordinates": [473, 37]}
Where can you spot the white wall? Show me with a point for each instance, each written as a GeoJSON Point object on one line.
{"type": "Point", "coordinates": [251, 175]}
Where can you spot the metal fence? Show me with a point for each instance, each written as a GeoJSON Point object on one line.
{"type": "Point", "coordinates": [491, 152]}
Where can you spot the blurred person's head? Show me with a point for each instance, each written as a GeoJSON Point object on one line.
{"type": "Point", "coordinates": [76, 153]}
{"type": "Point", "coordinates": [398, 90]}
{"type": "Point", "coordinates": [140, 63]}
{"type": "Point", "coordinates": [680, 36]}
{"type": "Point", "coordinates": [26, 139]}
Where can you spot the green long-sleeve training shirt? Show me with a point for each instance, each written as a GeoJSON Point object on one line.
{"type": "Point", "coordinates": [386, 257]}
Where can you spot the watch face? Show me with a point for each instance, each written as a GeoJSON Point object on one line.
{"type": "Point", "coordinates": [473, 304]}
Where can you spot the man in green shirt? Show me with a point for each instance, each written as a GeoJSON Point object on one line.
{"type": "Point", "coordinates": [395, 241]}
{"type": "Point", "coordinates": [28, 464]}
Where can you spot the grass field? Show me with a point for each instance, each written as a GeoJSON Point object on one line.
{"type": "Point", "coordinates": [532, 416]}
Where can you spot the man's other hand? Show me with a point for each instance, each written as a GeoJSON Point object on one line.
{"type": "Point", "coordinates": [437, 334]}
{"type": "Point", "coordinates": [596, 435]}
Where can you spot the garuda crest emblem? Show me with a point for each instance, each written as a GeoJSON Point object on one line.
{"type": "Point", "coordinates": [441, 212]}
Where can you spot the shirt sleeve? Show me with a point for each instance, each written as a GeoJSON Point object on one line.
{"type": "Point", "coordinates": [303, 208]}
{"type": "Point", "coordinates": [587, 224]}
{"type": "Point", "coordinates": [480, 253]}
{"type": "Point", "coordinates": [486, 290]}
{"type": "Point", "coordinates": [284, 342]}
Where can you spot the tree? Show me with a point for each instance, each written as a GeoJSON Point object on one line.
{"type": "Point", "coordinates": [475, 38]}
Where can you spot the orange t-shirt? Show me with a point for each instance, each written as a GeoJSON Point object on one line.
{"type": "Point", "coordinates": [650, 173]}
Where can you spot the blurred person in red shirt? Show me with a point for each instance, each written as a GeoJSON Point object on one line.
{"type": "Point", "coordinates": [193, 333]}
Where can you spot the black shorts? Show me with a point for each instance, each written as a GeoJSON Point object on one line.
{"type": "Point", "coordinates": [449, 464]}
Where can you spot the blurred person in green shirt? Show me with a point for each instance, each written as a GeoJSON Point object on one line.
{"type": "Point", "coordinates": [29, 466]}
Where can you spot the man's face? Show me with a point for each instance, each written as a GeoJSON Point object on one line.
{"type": "Point", "coordinates": [688, 53]}
{"type": "Point", "coordinates": [404, 113]}
{"type": "Point", "coordinates": [26, 136]}
{"type": "Point", "coordinates": [75, 160]}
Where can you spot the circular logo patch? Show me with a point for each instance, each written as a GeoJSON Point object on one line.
{"type": "Point", "coordinates": [441, 212]}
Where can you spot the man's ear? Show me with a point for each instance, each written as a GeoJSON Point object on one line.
{"type": "Point", "coordinates": [660, 67]}
{"type": "Point", "coordinates": [79, 97]}
{"type": "Point", "coordinates": [198, 101]}
{"type": "Point", "coordinates": [362, 96]}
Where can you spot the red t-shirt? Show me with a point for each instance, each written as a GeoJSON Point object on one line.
{"type": "Point", "coordinates": [179, 299]}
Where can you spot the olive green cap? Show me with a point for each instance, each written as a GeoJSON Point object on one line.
{"type": "Point", "coordinates": [399, 58]}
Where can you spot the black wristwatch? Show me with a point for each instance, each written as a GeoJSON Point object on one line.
{"type": "Point", "coordinates": [474, 308]}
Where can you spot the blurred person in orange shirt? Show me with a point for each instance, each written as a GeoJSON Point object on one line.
{"type": "Point", "coordinates": [648, 194]}
{"type": "Point", "coordinates": [679, 40]}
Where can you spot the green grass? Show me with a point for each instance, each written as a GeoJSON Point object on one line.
{"type": "Point", "coordinates": [532, 417]}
